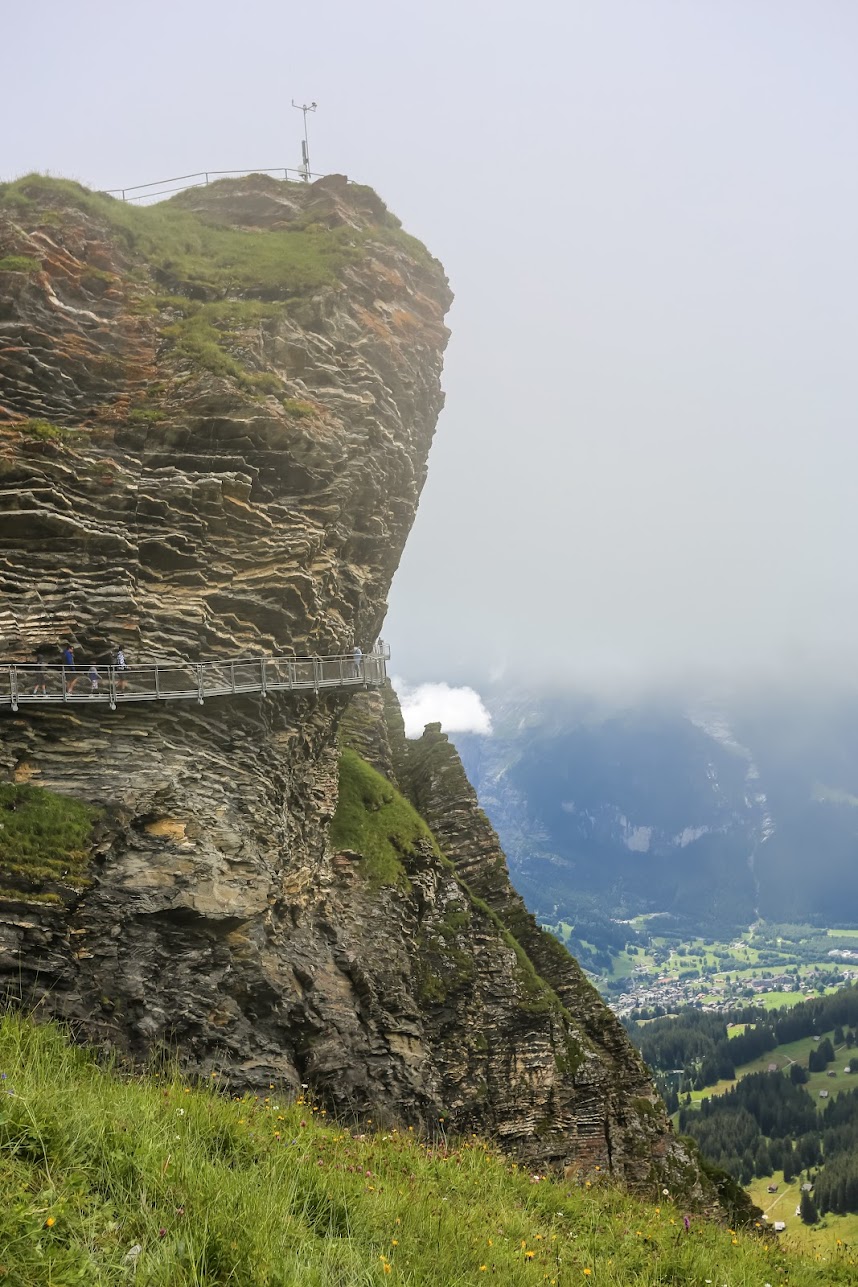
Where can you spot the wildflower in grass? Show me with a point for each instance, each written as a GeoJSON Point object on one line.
{"type": "Point", "coordinates": [587, 1272]}
{"type": "Point", "coordinates": [687, 1223]}
{"type": "Point", "coordinates": [162, 1232]}
{"type": "Point", "coordinates": [483, 1268]}
{"type": "Point", "coordinates": [50, 1222]}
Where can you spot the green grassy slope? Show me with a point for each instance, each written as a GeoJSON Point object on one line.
{"type": "Point", "coordinates": [108, 1179]}
{"type": "Point", "coordinates": [374, 820]}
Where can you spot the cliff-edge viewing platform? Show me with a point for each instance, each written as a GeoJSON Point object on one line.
{"type": "Point", "coordinates": [188, 681]}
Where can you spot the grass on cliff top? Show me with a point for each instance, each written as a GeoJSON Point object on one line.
{"type": "Point", "coordinates": [44, 835]}
{"type": "Point", "coordinates": [374, 820]}
{"type": "Point", "coordinates": [109, 1179]}
{"type": "Point", "coordinates": [197, 256]}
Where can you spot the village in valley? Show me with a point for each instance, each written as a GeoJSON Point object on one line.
{"type": "Point", "coordinates": [657, 972]}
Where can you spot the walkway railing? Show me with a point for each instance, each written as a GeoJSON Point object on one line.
{"type": "Point", "coordinates": [179, 182]}
{"type": "Point", "coordinates": [188, 681]}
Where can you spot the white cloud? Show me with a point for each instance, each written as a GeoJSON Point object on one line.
{"type": "Point", "coordinates": [458, 710]}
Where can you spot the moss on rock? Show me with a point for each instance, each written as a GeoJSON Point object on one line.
{"type": "Point", "coordinates": [375, 821]}
{"type": "Point", "coordinates": [44, 836]}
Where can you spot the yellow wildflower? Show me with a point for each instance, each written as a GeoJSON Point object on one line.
{"type": "Point", "coordinates": [50, 1222]}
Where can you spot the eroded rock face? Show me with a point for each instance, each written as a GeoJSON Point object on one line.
{"type": "Point", "coordinates": [548, 1070]}
{"type": "Point", "coordinates": [211, 443]}
{"type": "Point", "coordinates": [204, 453]}
{"type": "Point", "coordinates": [239, 473]}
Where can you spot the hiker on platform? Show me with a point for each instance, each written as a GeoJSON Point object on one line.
{"type": "Point", "coordinates": [69, 667]}
{"type": "Point", "coordinates": [41, 676]}
{"type": "Point", "coordinates": [357, 658]}
{"type": "Point", "coordinates": [93, 677]}
{"type": "Point", "coordinates": [121, 666]}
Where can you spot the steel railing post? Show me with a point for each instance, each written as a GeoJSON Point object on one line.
{"type": "Point", "coordinates": [200, 678]}
{"type": "Point", "coordinates": [111, 686]}
{"type": "Point", "coordinates": [316, 674]}
{"type": "Point", "coordinates": [65, 689]}
{"type": "Point", "coordinates": [13, 686]}
{"type": "Point", "coordinates": [157, 683]}
{"type": "Point", "coordinates": [263, 677]}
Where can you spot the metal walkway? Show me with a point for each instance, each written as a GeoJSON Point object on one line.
{"type": "Point", "coordinates": [188, 681]}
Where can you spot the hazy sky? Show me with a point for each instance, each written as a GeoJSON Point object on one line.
{"type": "Point", "coordinates": [648, 212]}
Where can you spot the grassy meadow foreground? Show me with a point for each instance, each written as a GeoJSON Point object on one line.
{"type": "Point", "coordinates": [109, 1179]}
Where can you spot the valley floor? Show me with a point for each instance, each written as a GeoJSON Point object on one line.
{"type": "Point", "coordinates": [108, 1178]}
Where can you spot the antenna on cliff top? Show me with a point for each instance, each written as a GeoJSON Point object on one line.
{"type": "Point", "coordinates": [305, 145]}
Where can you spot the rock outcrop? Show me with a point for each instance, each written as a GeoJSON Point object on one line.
{"type": "Point", "coordinates": [215, 416]}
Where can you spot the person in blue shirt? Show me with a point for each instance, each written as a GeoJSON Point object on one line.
{"type": "Point", "coordinates": [69, 666]}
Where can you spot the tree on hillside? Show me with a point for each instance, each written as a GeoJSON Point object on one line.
{"type": "Point", "coordinates": [819, 1059]}
{"type": "Point", "coordinates": [808, 1211]}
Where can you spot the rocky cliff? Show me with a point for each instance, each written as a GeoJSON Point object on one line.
{"type": "Point", "coordinates": [215, 416]}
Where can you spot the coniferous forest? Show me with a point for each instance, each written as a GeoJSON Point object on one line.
{"type": "Point", "coordinates": [768, 1121]}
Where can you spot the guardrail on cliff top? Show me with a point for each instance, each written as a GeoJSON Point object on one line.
{"type": "Point", "coordinates": [143, 191]}
{"type": "Point", "coordinates": [189, 681]}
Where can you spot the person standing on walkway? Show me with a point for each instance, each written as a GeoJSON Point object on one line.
{"type": "Point", "coordinates": [121, 667]}
{"type": "Point", "coordinates": [41, 676]}
{"type": "Point", "coordinates": [93, 678]}
{"type": "Point", "coordinates": [69, 666]}
{"type": "Point", "coordinates": [357, 658]}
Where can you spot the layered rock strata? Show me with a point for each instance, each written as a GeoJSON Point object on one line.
{"type": "Point", "coordinates": [215, 417]}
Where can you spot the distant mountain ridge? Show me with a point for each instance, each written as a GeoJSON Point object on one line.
{"type": "Point", "coordinates": [710, 812]}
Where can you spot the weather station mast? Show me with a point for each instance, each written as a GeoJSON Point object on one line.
{"type": "Point", "coordinates": [305, 143]}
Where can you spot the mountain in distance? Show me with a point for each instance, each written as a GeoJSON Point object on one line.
{"type": "Point", "coordinates": [708, 813]}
